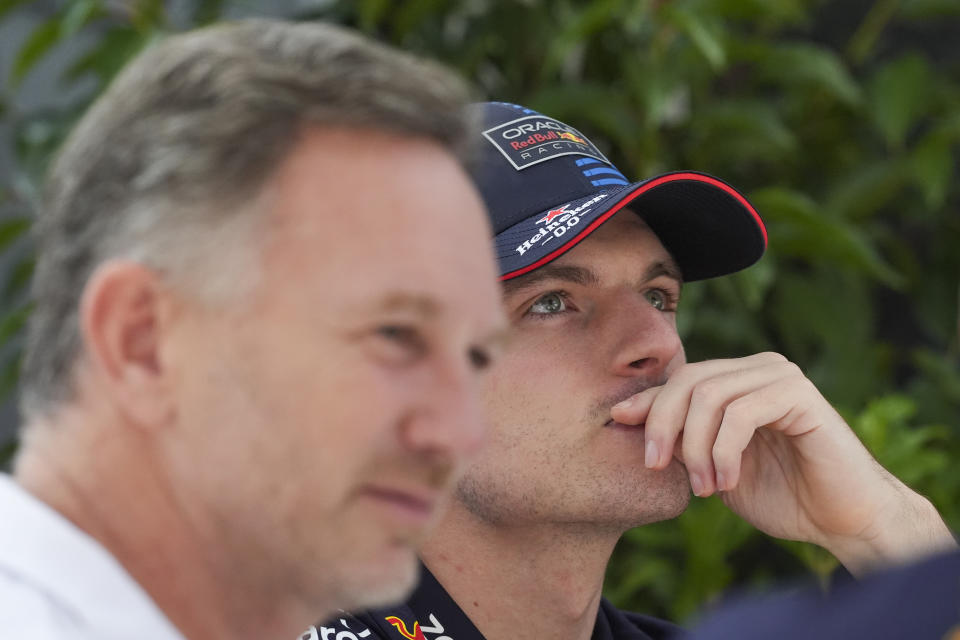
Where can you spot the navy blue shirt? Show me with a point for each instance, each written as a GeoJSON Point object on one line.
{"type": "Point", "coordinates": [431, 614]}
{"type": "Point", "coordinates": [916, 602]}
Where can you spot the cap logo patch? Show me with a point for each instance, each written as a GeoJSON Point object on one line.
{"type": "Point", "coordinates": [566, 219]}
{"type": "Point", "coordinates": [533, 139]}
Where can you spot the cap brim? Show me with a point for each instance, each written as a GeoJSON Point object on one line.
{"type": "Point", "coordinates": [708, 226]}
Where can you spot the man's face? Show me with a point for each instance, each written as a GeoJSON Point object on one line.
{"type": "Point", "coordinates": [320, 418]}
{"type": "Point", "coordinates": [590, 329]}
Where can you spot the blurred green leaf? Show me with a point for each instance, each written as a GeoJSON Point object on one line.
{"type": "Point", "coordinates": [808, 65]}
{"type": "Point", "coordinates": [820, 561]}
{"type": "Point", "coordinates": [933, 169]}
{"type": "Point", "coordinates": [107, 56]}
{"type": "Point", "coordinates": [804, 229]}
{"type": "Point", "coordinates": [944, 371]}
{"type": "Point", "coordinates": [900, 94]}
{"type": "Point", "coordinates": [9, 375]}
{"type": "Point", "coordinates": [77, 15]}
{"type": "Point", "coordinates": [711, 534]}
{"type": "Point", "coordinates": [705, 34]}
{"type": "Point", "coordinates": [578, 28]}
{"type": "Point", "coordinates": [148, 16]}
{"type": "Point", "coordinates": [38, 44]}
{"type": "Point", "coordinates": [414, 14]}
{"type": "Point", "coordinates": [864, 39]}
{"type": "Point", "coordinates": [776, 14]}
{"type": "Point", "coordinates": [371, 13]}
{"type": "Point", "coordinates": [738, 131]}
{"type": "Point", "coordinates": [927, 9]}
{"type": "Point", "coordinates": [207, 11]}
{"type": "Point", "coordinates": [19, 278]}
{"type": "Point", "coordinates": [913, 453]}
{"type": "Point", "coordinates": [867, 188]}
{"type": "Point", "coordinates": [6, 6]}
{"type": "Point", "coordinates": [12, 230]}
{"type": "Point", "coordinates": [7, 449]}
{"type": "Point", "coordinates": [754, 283]}
{"type": "Point", "coordinates": [616, 121]}
{"type": "Point", "coordinates": [13, 322]}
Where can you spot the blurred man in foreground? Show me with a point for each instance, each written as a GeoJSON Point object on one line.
{"type": "Point", "coordinates": [599, 424]}
{"type": "Point", "coordinates": [252, 365]}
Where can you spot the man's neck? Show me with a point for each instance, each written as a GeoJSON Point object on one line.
{"type": "Point", "coordinates": [122, 500]}
{"type": "Point", "coordinates": [521, 582]}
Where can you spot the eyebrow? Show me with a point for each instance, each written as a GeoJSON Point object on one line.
{"type": "Point", "coordinates": [564, 273]}
{"type": "Point", "coordinates": [405, 301]}
{"type": "Point", "coordinates": [666, 268]}
{"type": "Point", "coordinates": [585, 276]}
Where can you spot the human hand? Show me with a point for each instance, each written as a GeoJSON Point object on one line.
{"type": "Point", "coordinates": [760, 432]}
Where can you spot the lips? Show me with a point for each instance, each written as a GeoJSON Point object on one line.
{"type": "Point", "coordinates": [620, 425]}
{"type": "Point", "coordinates": [414, 505]}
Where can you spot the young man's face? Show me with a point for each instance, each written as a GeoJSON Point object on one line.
{"type": "Point", "coordinates": [590, 329]}
{"type": "Point", "coordinates": [324, 416]}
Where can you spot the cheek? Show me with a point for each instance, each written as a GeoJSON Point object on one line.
{"type": "Point", "coordinates": [534, 384]}
{"type": "Point", "coordinates": [313, 409]}
{"type": "Point", "coordinates": [546, 368]}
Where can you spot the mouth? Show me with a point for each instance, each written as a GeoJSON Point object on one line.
{"type": "Point", "coordinates": [612, 424]}
{"type": "Point", "coordinates": [414, 506]}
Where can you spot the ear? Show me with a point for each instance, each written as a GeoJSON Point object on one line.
{"type": "Point", "coordinates": [125, 314]}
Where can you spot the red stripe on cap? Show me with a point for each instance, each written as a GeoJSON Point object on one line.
{"type": "Point", "coordinates": [671, 177]}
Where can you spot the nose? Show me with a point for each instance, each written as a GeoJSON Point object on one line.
{"type": "Point", "coordinates": [450, 424]}
{"type": "Point", "coordinates": [645, 341]}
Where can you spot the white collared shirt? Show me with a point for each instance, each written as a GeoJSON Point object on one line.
{"type": "Point", "coordinates": [58, 583]}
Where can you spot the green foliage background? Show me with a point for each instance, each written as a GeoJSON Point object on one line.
{"type": "Point", "coordinates": [841, 120]}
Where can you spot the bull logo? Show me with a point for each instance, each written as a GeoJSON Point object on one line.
{"type": "Point", "coordinates": [566, 135]}
{"type": "Point", "coordinates": [402, 628]}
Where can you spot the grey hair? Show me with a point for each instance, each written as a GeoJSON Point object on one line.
{"type": "Point", "coordinates": [163, 167]}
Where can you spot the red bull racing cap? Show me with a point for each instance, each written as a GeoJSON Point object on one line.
{"type": "Point", "coordinates": [547, 187]}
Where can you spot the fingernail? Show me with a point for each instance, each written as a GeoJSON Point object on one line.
{"type": "Point", "coordinates": [696, 484]}
{"type": "Point", "coordinates": [721, 482]}
{"type": "Point", "coordinates": [623, 404]}
{"type": "Point", "coordinates": [652, 456]}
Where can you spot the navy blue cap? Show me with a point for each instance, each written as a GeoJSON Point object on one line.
{"type": "Point", "coordinates": [547, 187]}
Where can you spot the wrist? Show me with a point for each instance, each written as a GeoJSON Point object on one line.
{"type": "Point", "coordinates": [908, 530]}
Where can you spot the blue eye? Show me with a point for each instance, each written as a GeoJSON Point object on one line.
{"type": "Point", "coordinates": [662, 299]}
{"type": "Point", "coordinates": [657, 299]}
{"type": "Point", "coordinates": [549, 304]}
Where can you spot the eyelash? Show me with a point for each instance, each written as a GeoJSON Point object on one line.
{"type": "Point", "coordinates": [670, 302]}
{"type": "Point", "coordinates": [543, 316]}
{"type": "Point", "coordinates": [670, 299]}
{"type": "Point", "coordinates": [404, 336]}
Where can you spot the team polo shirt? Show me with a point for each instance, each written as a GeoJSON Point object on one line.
{"type": "Point", "coordinates": [58, 583]}
{"type": "Point", "coordinates": [431, 614]}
